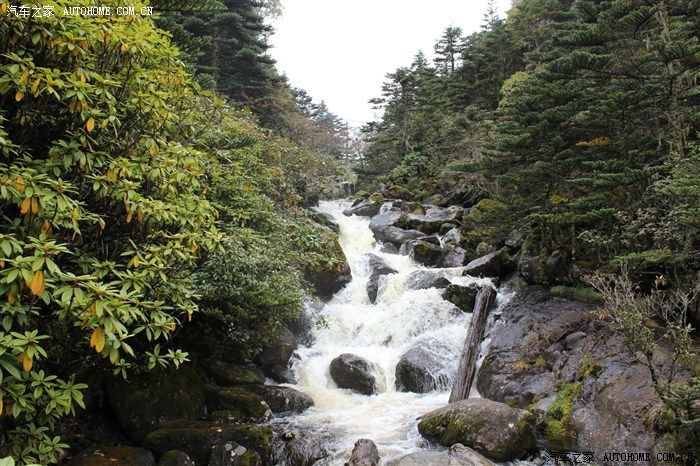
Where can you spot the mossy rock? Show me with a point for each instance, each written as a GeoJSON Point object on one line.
{"type": "Point", "coordinates": [240, 404]}
{"type": "Point", "coordinates": [377, 198]}
{"type": "Point", "coordinates": [145, 401]}
{"type": "Point", "coordinates": [197, 438]}
{"type": "Point", "coordinates": [493, 429]}
{"type": "Point", "coordinates": [175, 458]}
{"type": "Point", "coordinates": [102, 455]}
{"type": "Point", "coordinates": [362, 194]}
{"type": "Point", "coordinates": [398, 192]}
{"type": "Point", "coordinates": [227, 374]}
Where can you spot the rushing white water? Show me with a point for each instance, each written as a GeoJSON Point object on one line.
{"type": "Point", "coordinates": [381, 333]}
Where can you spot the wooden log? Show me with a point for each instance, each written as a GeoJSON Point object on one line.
{"type": "Point", "coordinates": [475, 334]}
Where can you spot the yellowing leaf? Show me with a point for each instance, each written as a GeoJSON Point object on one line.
{"type": "Point", "coordinates": [19, 184]}
{"type": "Point", "coordinates": [35, 205]}
{"type": "Point", "coordinates": [129, 216]}
{"type": "Point", "coordinates": [35, 86]}
{"type": "Point", "coordinates": [3, 7]}
{"type": "Point", "coordinates": [25, 360]}
{"type": "Point", "coordinates": [26, 205]}
{"type": "Point", "coordinates": [37, 285]}
{"type": "Point", "coordinates": [172, 326]}
{"type": "Point", "coordinates": [136, 261]}
{"type": "Point", "coordinates": [100, 343]}
{"type": "Point", "coordinates": [11, 298]}
{"type": "Point", "coordinates": [124, 47]}
{"type": "Point", "coordinates": [90, 124]}
{"type": "Point", "coordinates": [95, 337]}
{"type": "Point", "coordinates": [1, 396]}
{"type": "Point", "coordinates": [19, 96]}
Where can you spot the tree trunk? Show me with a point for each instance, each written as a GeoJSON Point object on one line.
{"type": "Point", "coordinates": [475, 333]}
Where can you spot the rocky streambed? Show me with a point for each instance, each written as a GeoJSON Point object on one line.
{"type": "Point", "coordinates": [370, 385]}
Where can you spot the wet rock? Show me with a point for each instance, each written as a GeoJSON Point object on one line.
{"type": "Point", "coordinates": [515, 239]}
{"type": "Point", "coordinates": [398, 192]}
{"type": "Point", "coordinates": [282, 400]}
{"type": "Point", "coordinates": [453, 237]}
{"type": "Point", "coordinates": [197, 439]}
{"type": "Point", "coordinates": [364, 453]}
{"type": "Point", "coordinates": [389, 248]}
{"type": "Point", "coordinates": [423, 368]}
{"type": "Point", "coordinates": [236, 404]}
{"type": "Point", "coordinates": [396, 236]}
{"type": "Point", "coordinates": [228, 374]}
{"type": "Point", "coordinates": [424, 279]}
{"type": "Point", "coordinates": [329, 282]}
{"type": "Point", "coordinates": [232, 454]}
{"type": "Point", "coordinates": [274, 360]}
{"type": "Point", "coordinates": [458, 455]}
{"type": "Point", "coordinates": [366, 208]}
{"type": "Point", "coordinates": [378, 268]}
{"type": "Point", "coordinates": [454, 256]}
{"type": "Point", "coordinates": [353, 372]}
{"type": "Point", "coordinates": [327, 220]}
{"type": "Point", "coordinates": [145, 401]}
{"type": "Point", "coordinates": [102, 455]}
{"type": "Point", "coordinates": [388, 217]}
{"type": "Point", "coordinates": [304, 448]}
{"type": "Point", "coordinates": [461, 296]}
{"type": "Point", "coordinates": [175, 458]}
{"type": "Point", "coordinates": [493, 429]}
{"type": "Point", "coordinates": [423, 251]}
{"type": "Point", "coordinates": [496, 264]}
{"type": "Point", "coordinates": [598, 397]}
{"type": "Point", "coordinates": [433, 219]}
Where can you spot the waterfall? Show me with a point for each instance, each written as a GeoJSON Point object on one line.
{"type": "Point", "coordinates": [381, 333]}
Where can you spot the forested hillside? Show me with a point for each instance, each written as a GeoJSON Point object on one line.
{"type": "Point", "coordinates": [579, 118]}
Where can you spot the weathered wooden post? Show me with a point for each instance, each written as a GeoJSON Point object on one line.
{"type": "Point", "coordinates": [475, 333]}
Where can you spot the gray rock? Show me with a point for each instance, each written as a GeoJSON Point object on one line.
{"type": "Point", "coordinates": [494, 429]}
{"type": "Point", "coordinates": [364, 453]}
{"type": "Point", "coordinates": [282, 400]}
{"type": "Point", "coordinates": [612, 393]}
{"type": "Point", "coordinates": [424, 279]}
{"type": "Point", "coordinates": [461, 296]}
{"type": "Point", "coordinates": [433, 219]}
{"type": "Point", "coordinates": [274, 360]}
{"type": "Point", "coordinates": [328, 282]}
{"type": "Point", "coordinates": [396, 236]}
{"type": "Point", "coordinates": [304, 448]}
{"type": "Point", "coordinates": [423, 251]}
{"type": "Point", "coordinates": [454, 256]}
{"type": "Point", "coordinates": [366, 208]}
{"type": "Point", "coordinates": [553, 270]}
{"type": "Point", "coordinates": [496, 264]}
{"type": "Point", "coordinates": [453, 237]}
{"type": "Point", "coordinates": [422, 369]}
{"type": "Point", "coordinates": [458, 455]}
{"type": "Point", "coordinates": [378, 268]}
{"type": "Point", "coordinates": [353, 372]}
{"type": "Point", "coordinates": [515, 239]}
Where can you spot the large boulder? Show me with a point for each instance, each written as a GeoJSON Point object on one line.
{"type": "Point", "coordinates": [356, 373]}
{"type": "Point", "coordinates": [378, 268]}
{"type": "Point", "coordinates": [423, 368]}
{"type": "Point", "coordinates": [303, 447]}
{"type": "Point", "coordinates": [198, 439]}
{"type": "Point", "coordinates": [462, 296]}
{"type": "Point", "coordinates": [328, 282]}
{"type": "Point", "coordinates": [594, 394]}
{"type": "Point", "coordinates": [454, 256]}
{"type": "Point", "coordinates": [364, 453]}
{"type": "Point", "coordinates": [282, 400]}
{"type": "Point", "coordinates": [423, 251]}
{"type": "Point", "coordinates": [103, 455]}
{"type": "Point", "coordinates": [497, 264]}
{"type": "Point", "coordinates": [366, 208]}
{"type": "Point", "coordinates": [493, 429]}
{"type": "Point", "coordinates": [236, 404]}
{"type": "Point", "coordinates": [145, 401]}
{"type": "Point", "coordinates": [274, 359]}
{"type": "Point", "coordinates": [228, 374]}
{"type": "Point", "coordinates": [433, 218]}
{"type": "Point", "coordinates": [457, 455]}
{"type": "Point", "coordinates": [424, 279]}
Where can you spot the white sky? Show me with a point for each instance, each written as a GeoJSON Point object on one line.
{"type": "Point", "coordinates": [341, 51]}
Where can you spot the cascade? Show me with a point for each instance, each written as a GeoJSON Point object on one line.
{"type": "Point", "coordinates": [381, 332]}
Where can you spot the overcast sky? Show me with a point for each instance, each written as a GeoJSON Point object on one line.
{"type": "Point", "coordinates": [341, 50]}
